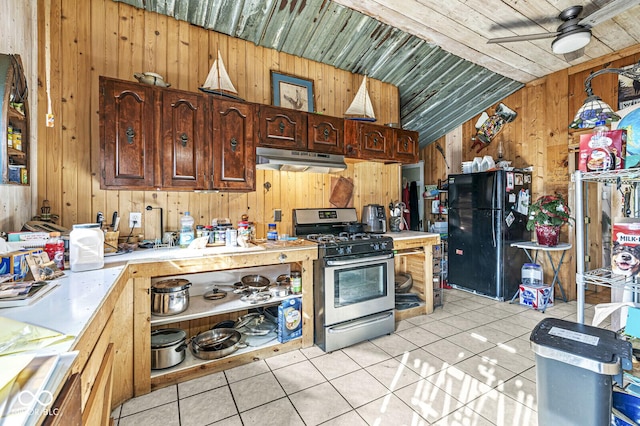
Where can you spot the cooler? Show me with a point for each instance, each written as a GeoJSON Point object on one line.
{"type": "Point", "coordinates": [576, 365]}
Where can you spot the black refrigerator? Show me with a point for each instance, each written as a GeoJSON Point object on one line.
{"type": "Point", "coordinates": [488, 212]}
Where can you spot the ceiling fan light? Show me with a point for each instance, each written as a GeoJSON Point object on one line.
{"type": "Point", "coordinates": [593, 110]}
{"type": "Point", "coordinates": [571, 42]}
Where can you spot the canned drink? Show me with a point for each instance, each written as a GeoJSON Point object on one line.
{"type": "Point", "coordinates": [231, 237]}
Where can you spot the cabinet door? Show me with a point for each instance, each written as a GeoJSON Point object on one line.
{"type": "Point", "coordinates": [405, 145]}
{"type": "Point", "coordinates": [234, 156]}
{"type": "Point", "coordinates": [126, 126]}
{"type": "Point", "coordinates": [367, 141]}
{"type": "Point", "coordinates": [183, 148]}
{"type": "Point", "coordinates": [281, 128]}
{"type": "Point", "coordinates": [325, 134]}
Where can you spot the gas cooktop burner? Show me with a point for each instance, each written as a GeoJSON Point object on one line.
{"type": "Point", "coordinates": [342, 237]}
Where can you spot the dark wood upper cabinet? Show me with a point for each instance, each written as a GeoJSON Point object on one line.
{"type": "Point", "coordinates": [234, 155]}
{"type": "Point", "coordinates": [367, 141]}
{"type": "Point", "coordinates": [184, 142]}
{"type": "Point", "coordinates": [325, 134]}
{"type": "Point", "coordinates": [281, 128]}
{"type": "Point", "coordinates": [126, 126]}
{"type": "Point", "coordinates": [405, 145]}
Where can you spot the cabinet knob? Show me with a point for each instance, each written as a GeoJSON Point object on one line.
{"type": "Point", "coordinates": [281, 126]}
{"type": "Point", "coordinates": [375, 141]}
{"type": "Point", "coordinates": [184, 139]}
{"type": "Point", "coordinates": [130, 135]}
{"type": "Point", "coordinates": [406, 145]}
{"type": "Point", "coordinates": [234, 144]}
{"type": "Point", "coordinates": [326, 133]}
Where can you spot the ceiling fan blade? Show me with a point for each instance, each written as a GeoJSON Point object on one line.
{"type": "Point", "coordinates": [524, 37]}
{"type": "Point", "coordinates": [572, 56]}
{"type": "Point", "coordinates": [607, 12]}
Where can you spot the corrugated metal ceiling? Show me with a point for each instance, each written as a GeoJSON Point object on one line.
{"type": "Point", "coordinates": [438, 90]}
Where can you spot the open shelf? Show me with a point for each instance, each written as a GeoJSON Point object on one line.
{"type": "Point", "coordinates": [253, 343]}
{"type": "Point", "coordinates": [199, 307]}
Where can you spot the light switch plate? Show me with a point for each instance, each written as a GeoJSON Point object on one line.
{"type": "Point", "coordinates": [277, 215]}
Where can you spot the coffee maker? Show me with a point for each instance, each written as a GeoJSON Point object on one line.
{"type": "Point", "coordinates": [374, 218]}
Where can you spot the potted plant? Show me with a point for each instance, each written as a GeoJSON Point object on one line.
{"type": "Point", "coordinates": [546, 215]}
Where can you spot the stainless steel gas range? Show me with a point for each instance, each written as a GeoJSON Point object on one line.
{"type": "Point", "coordinates": [353, 278]}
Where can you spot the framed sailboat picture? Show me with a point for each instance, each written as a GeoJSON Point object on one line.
{"type": "Point", "coordinates": [292, 92]}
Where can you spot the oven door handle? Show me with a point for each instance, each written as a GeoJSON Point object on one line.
{"type": "Point", "coordinates": [357, 261]}
{"type": "Point", "coordinates": [359, 323]}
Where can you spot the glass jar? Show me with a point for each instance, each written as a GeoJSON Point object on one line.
{"type": "Point", "coordinates": [296, 282]}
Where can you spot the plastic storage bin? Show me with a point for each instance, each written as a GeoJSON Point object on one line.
{"type": "Point", "coordinates": [576, 365]}
{"type": "Point", "coordinates": [86, 247]}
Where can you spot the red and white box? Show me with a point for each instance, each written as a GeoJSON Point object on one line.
{"type": "Point", "coordinates": [603, 153]}
{"type": "Point", "coordinates": [536, 296]}
{"type": "Point", "coordinates": [625, 247]}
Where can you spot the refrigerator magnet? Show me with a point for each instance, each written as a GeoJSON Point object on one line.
{"type": "Point", "coordinates": [509, 219]}
{"type": "Point", "coordinates": [512, 198]}
{"type": "Point", "coordinates": [509, 181]}
{"type": "Point", "coordinates": [527, 178]}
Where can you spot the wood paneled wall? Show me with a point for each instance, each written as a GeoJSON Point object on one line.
{"type": "Point", "coordinates": [101, 37]}
{"type": "Point", "coordinates": [540, 137]}
{"type": "Point", "coordinates": [17, 35]}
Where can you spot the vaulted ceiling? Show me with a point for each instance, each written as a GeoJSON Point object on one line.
{"type": "Point", "coordinates": [435, 51]}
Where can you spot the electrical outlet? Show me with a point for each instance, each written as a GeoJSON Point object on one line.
{"type": "Point", "coordinates": [277, 215]}
{"type": "Point", "coordinates": [137, 218]}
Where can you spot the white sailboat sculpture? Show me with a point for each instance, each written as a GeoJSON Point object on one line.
{"type": "Point", "coordinates": [361, 107]}
{"type": "Point", "coordinates": [218, 81]}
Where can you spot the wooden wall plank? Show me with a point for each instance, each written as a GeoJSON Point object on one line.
{"type": "Point", "coordinates": [137, 41]}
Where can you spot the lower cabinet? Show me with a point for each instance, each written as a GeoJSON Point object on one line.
{"type": "Point", "coordinates": [202, 314]}
{"type": "Point", "coordinates": [415, 257]}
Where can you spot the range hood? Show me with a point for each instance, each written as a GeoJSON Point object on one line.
{"type": "Point", "coordinates": [298, 161]}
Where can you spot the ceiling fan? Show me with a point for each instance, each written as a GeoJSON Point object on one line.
{"type": "Point", "coordinates": [574, 33]}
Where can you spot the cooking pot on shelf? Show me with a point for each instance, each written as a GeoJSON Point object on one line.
{"type": "Point", "coordinates": [167, 347]}
{"type": "Point", "coordinates": [170, 297]}
{"type": "Point", "coordinates": [216, 343]}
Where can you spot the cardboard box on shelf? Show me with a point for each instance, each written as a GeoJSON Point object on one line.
{"type": "Point", "coordinates": [605, 153]}
{"type": "Point", "coordinates": [625, 252]}
{"type": "Point", "coordinates": [536, 296]}
{"type": "Point", "coordinates": [289, 319]}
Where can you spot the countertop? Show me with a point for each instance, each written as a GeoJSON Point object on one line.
{"type": "Point", "coordinates": [69, 307]}
{"type": "Point", "coordinates": [410, 235]}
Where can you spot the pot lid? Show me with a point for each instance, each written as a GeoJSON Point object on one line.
{"type": "Point", "coordinates": [166, 337]}
{"type": "Point", "coordinates": [170, 286]}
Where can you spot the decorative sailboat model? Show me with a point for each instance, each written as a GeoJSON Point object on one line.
{"type": "Point", "coordinates": [361, 108]}
{"type": "Point", "coordinates": [218, 81]}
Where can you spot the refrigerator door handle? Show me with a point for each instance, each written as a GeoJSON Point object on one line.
{"type": "Point", "coordinates": [493, 227]}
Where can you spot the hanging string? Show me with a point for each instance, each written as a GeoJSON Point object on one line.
{"type": "Point", "coordinates": [47, 60]}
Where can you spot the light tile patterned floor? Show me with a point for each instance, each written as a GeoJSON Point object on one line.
{"type": "Point", "coordinates": [468, 363]}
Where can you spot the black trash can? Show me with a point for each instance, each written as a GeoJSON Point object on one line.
{"type": "Point", "coordinates": [576, 366]}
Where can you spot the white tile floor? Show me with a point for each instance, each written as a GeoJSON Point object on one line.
{"type": "Point", "coordinates": [468, 363]}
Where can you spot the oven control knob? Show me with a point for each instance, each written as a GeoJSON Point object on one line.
{"type": "Point", "coordinates": [383, 245]}
{"type": "Point", "coordinates": [349, 249]}
{"type": "Point", "coordinates": [340, 250]}
{"type": "Point", "coordinates": [376, 246]}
